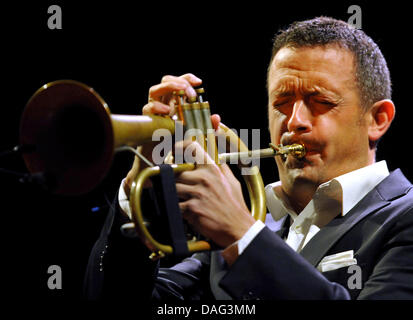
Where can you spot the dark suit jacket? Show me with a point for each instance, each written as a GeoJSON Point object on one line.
{"type": "Point", "coordinates": [379, 229]}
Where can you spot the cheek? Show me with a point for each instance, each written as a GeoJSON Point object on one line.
{"type": "Point", "coordinates": [341, 138]}
{"type": "Point", "coordinates": [276, 127]}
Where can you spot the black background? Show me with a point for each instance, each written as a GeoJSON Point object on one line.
{"type": "Point", "coordinates": [121, 50]}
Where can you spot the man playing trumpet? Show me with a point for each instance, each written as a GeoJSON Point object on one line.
{"type": "Point", "coordinates": [328, 89]}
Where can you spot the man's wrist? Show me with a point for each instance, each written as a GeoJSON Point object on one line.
{"type": "Point", "coordinates": [233, 251]}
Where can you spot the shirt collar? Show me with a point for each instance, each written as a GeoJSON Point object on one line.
{"type": "Point", "coordinates": [348, 189]}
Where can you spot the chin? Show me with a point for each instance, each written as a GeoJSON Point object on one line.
{"type": "Point", "coordinates": [302, 172]}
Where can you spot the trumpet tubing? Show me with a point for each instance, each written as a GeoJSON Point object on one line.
{"type": "Point", "coordinates": [297, 150]}
{"type": "Point", "coordinates": [137, 130]}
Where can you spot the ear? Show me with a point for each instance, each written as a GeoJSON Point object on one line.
{"type": "Point", "coordinates": [381, 114]}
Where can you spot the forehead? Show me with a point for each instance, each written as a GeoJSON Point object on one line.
{"type": "Point", "coordinates": [331, 67]}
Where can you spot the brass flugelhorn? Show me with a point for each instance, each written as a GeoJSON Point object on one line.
{"type": "Point", "coordinates": [73, 138]}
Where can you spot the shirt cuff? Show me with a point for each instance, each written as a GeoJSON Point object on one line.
{"type": "Point", "coordinates": [249, 236]}
{"type": "Point", "coordinates": [124, 201]}
{"type": "Point", "coordinates": [232, 252]}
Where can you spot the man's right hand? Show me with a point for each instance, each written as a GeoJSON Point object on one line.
{"type": "Point", "coordinates": [161, 101]}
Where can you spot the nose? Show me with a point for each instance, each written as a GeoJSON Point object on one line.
{"type": "Point", "coordinates": [300, 119]}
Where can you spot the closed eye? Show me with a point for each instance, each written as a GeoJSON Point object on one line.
{"type": "Point", "coordinates": [281, 103]}
{"type": "Point", "coordinates": [325, 102]}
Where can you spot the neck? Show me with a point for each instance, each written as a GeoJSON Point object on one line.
{"type": "Point", "coordinates": [299, 196]}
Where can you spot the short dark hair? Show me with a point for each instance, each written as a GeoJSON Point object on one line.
{"type": "Point", "coordinates": [372, 74]}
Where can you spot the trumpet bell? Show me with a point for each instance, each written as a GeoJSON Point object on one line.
{"type": "Point", "coordinates": [68, 127]}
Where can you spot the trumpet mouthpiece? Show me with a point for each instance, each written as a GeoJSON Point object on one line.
{"type": "Point", "coordinates": [296, 150]}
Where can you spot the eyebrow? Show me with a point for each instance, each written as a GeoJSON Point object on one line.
{"type": "Point", "coordinates": [313, 91]}
{"type": "Point", "coordinates": [282, 94]}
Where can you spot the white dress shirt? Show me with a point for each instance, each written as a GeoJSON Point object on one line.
{"type": "Point", "coordinates": [337, 196]}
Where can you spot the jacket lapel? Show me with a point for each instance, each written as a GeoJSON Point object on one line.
{"type": "Point", "coordinates": [392, 187]}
